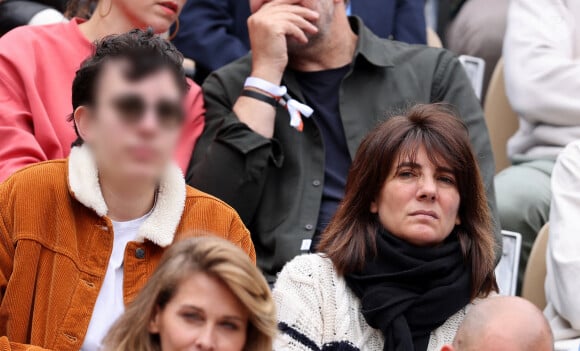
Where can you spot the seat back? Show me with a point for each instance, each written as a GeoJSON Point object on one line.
{"type": "Point", "coordinates": [475, 69]}
{"type": "Point", "coordinates": [534, 280]}
{"type": "Point", "coordinates": [506, 271]}
{"type": "Point", "coordinates": [502, 121]}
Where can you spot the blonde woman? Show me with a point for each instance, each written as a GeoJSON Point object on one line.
{"type": "Point", "coordinates": [205, 295]}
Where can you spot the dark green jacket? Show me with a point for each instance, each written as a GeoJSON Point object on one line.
{"type": "Point", "coordinates": [276, 185]}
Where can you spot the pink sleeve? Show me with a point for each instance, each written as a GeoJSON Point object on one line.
{"type": "Point", "coordinates": [193, 126]}
{"type": "Point", "coordinates": [18, 145]}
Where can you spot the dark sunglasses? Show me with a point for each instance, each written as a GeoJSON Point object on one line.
{"type": "Point", "coordinates": [132, 108]}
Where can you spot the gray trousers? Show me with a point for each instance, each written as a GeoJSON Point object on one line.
{"type": "Point", "coordinates": [523, 198]}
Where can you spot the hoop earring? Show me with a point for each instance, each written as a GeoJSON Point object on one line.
{"type": "Point", "coordinates": [108, 11]}
{"type": "Point", "coordinates": [174, 34]}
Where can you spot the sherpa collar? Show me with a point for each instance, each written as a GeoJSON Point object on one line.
{"type": "Point", "coordinates": [83, 179]}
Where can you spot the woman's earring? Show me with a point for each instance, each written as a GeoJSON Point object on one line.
{"type": "Point", "coordinates": [108, 11]}
{"type": "Point", "coordinates": [174, 34]}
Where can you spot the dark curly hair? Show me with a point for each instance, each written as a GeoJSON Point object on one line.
{"type": "Point", "coordinates": [145, 52]}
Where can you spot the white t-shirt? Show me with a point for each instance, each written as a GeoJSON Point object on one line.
{"type": "Point", "coordinates": [109, 306]}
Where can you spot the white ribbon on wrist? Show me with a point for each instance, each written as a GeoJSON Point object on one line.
{"type": "Point", "coordinates": [264, 85]}
{"type": "Point", "coordinates": [295, 108]}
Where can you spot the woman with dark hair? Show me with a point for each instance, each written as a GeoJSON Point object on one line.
{"type": "Point", "coordinates": [408, 251]}
{"type": "Point", "coordinates": [37, 67]}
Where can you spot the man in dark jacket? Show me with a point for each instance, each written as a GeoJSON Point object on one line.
{"type": "Point", "coordinates": [214, 32]}
{"type": "Point", "coordinates": [284, 183]}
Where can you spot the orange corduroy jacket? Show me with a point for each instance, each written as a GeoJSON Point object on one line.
{"type": "Point", "coordinates": [56, 240]}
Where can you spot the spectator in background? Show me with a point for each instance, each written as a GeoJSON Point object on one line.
{"type": "Point", "coordinates": [542, 76]}
{"type": "Point", "coordinates": [286, 185]}
{"type": "Point", "coordinates": [394, 271]}
{"type": "Point", "coordinates": [478, 30]}
{"type": "Point", "coordinates": [563, 258]}
{"type": "Point", "coordinates": [80, 237]}
{"type": "Point", "coordinates": [204, 295]}
{"type": "Point", "coordinates": [503, 324]}
{"type": "Point", "coordinates": [400, 20]}
{"type": "Point", "coordinates": [37, 66]}
{"type": "Point", "coordinates": [214, 32]}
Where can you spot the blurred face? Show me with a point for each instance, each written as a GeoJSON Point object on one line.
{"type": "Point", "coordinates": [134, 127]}
{"type": "Point", "coordinates": [159, 14]}
{"type": "Point", "coordinates": [203, 315]}
{"type": "Point", "coordinates": [325, 9]}
{"type": "Point", "coordinates": [419, 201]}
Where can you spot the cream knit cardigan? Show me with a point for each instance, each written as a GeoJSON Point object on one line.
{"type": "Point", "coordinates": [317, 311]}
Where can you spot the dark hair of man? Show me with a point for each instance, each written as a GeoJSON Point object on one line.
{"type": "Point", "coordinates": [351, 235]}
{"type": "Point", "coordinates": [145, 53]}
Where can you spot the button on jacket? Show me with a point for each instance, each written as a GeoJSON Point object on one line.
{"type": "Point", "coordinates": [56, 240]}
{"type": "Point", "coordinates": [275, 184]}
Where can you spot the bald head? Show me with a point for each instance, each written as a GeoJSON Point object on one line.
{"type": "Point", "coordinates": [502, 324]}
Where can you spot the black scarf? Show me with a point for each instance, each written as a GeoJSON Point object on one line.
{"type": "Point", "coordinates": [408, 291]}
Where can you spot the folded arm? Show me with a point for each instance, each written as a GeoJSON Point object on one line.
{"type": "Point", "coordinates": [231, 161]}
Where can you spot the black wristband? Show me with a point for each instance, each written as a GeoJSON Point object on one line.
{"type": "Point", "coordinates": [259, 96]}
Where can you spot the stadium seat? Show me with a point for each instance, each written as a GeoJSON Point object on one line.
{"type": "Point", "coordinates": [502, 121]}
{"type": "Point", "coordinates": [506, 272]}
{"type": "Point", "coordinates": [433, 39]}
{"type": "Point", "coordinates": [475, 69]}
{"type": "Point", "coordinates": [533, 287]}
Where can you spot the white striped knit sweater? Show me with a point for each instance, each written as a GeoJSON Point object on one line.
{"type": "Point", "coordinates": [317, 311]}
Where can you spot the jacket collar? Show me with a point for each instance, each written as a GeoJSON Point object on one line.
{"type": "Point", "coordinates": [370, 46]}
{"type": "Point", "coordinates": [160, 226]}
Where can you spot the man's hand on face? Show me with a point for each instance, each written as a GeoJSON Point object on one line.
{"type": "Point", "coordinates": [270, 27]}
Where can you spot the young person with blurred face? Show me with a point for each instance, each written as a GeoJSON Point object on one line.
{"type": "Point", "coordinates": [286, 182]}
{"type": "Point", "coordinates": [82, 235]}
{"type": "Point", "coordinates": [205, 295]}
{"type": "Point", "coordinates": [38, 64]}
{"type": "Point", "coordinates": [409, 251]}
